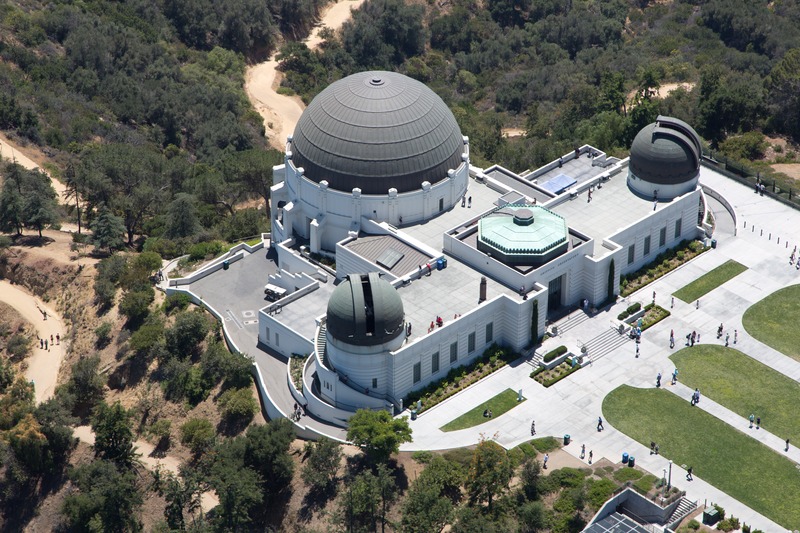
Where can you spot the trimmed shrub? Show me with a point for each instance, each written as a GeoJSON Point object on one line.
{"type": "Point", "coordinates": [198, 435]}
{"type": "Point", "coordinates": [18, 346]}
{"type": "Point", "coordinates": [202, 250]}
{"type": "Point", "coordinates": [176, 300]}
{"type": "Point", "coordinates": [238, 405]}
{"type": "Point", "coordinates": [556, 352]}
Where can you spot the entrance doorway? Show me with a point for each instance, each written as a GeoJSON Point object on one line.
{"type": "Point", "coordinates": [554, 294]}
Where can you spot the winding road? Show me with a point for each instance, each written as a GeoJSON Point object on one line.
{"type": "Point", "coordinates": [261, 81]}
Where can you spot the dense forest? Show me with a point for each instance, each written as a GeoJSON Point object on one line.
{"type": "Point", "coordinates": [140, 107]}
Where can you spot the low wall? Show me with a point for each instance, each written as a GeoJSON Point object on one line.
{"type": "Point", "coordinates": [721, 199]}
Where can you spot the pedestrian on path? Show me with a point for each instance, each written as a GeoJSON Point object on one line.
{"type": "Point", "coordinates": [544, 461]}
{"type": "Point", "coordinates": [735, 336]}
{"type": "Point", "coordinates": [671, 339]}
{"type": "Point", "coordinates": [758, 422]}
{"type": "Point", "coordinates": [697, 304]}
{"type": "Point", "coordinates": [583, 451]}
{"type": "Point", "coordinates": [674, 376]}
{"type": "Point", "coordinates": [672, 303]}
{"type": "Point", "coordinates": [58, 338]}
{"type": "Point", "coordinates": [41, 343]}
{"type": "Point", "coordinates": [689, 474]}
{"type": "Point", "coordinates": [654, 297]}
{"type": "Point", "coordinates": [46, 346]}
{"type": "Point", "coordinates": [693, 337]}
{"type": "Point", "coordinates": [658, 381]}
{"type": "Point", "coordinates": [600, 424]}
{"type": "Point", "coordinates": [637, 350]}
{"type": "Point", "coordinates": [533, 428]}
{"type": "Point", "coordinates": [698, 338]}
{"type": "Point", "coordinates": [727, 339]}
{"type": "Point", "coordinates": [590, 456]}
{"type": "Point", "coordinates": [787, 445]}
{"type": "Point", "coordinates": [752, 417]}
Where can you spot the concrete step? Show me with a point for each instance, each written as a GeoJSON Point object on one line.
{"type": "Point", "coordinates": [605, 343]}
{"type": "Point", "coordinates": [685, 507]}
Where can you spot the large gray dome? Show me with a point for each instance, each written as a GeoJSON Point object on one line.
{"type": "Point", "coordinates": [365, 310]}
{"type": "Point", "coordinates": [375, 131]}
{"type": "Point", "coordinates": [666, 152]}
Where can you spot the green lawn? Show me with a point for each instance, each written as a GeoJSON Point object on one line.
{"type": "Point", "coordinates": [743, 385]}
{"type": "Point", "coordinates": [710, 281]}
{"type": "Point", "coordinates": [505, 401]}
{"type": "Point", "coordinates": [774, 321]}
{"type": "Point", "coordinates": [725, 457]}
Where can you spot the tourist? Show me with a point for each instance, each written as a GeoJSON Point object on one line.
{"type": "Point", "coordinates": [674, 376]}
{"type": "Point", "coordinates": [533, 428]}
{"type": "Point", "coordinates": [689, 474]}
{"type": "Point", "coordinates": [658, 381]}
{"type": "Point", "coordinates": [600, 424]}
{"type": "Point", "coordinates": [752, 418]}
{"type": "Point", "coordinates": [544, 461]}
{"type": "Point", "coordinates": [758, 422]}
{"type": "Point", "coordinates": [583, 451]}
{"type": "Point", "coordinates": [590, 456]}
{"type": "Point", "coordinates": [727, 339]}
{"type": "Point", "coordinates": [787, 445]}
{"type": "Point", "coordinates": [735, 336]}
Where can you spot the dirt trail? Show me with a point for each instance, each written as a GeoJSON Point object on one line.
{"type": "Point", "coordinates": [25, 156]}
{"type": "Point", "coordinates": [43, 364]}
{"type": "Point", "coordinates": [208, 500]}
{"type": "Point", "coordinates": [261, 81]}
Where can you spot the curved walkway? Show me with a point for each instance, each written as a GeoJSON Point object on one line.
{"type": "Point", "coordinates": [261, 81]}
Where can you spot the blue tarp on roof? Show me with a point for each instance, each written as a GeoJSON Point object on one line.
{"type": "Point", "coordinates": [558, 184]}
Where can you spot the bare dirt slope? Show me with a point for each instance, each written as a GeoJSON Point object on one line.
{"type": "Point", "coordinates": [281, 112]}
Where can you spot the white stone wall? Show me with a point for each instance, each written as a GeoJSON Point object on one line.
{"type": "Point", "coordinates": [280, 337]}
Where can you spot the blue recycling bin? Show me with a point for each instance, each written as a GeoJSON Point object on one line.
{"type": "Point", "coordinates": [226, 264]}
{"type": "Point", "coordinates": [624, 458]}
{"type": "Point", "coordinates": [631, 461]}
{"type": "Point", "coordinates": [567, 439]}
{"type": "Point", "coordinates": [439, 264]}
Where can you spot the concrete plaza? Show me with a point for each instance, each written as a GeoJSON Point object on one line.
{"type": "Point", "coordinates": [573, 405]}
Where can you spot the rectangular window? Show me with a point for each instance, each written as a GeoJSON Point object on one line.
{"type": "Point", "coordinates": [647, 245]}
{"type": "Point", "coordinates": [435, 363]}
{"type": "Point", "coordinates": [417, 372]}
{"type": "Point", "coordinates": [453, 352]}
{"type": "Point", "coordinates": [489, 332]}
{"type": "Point", "coordinates": [631, 253]}
{"type": "Point", "coordinates": [678, 228]}
{"type": "Point", "coordinates": [277, 339]}
{"type": "Point", "coordinates": [268, 335]}
{"type": "Point", "coordinates": [662, 237]}
{"type": "Point", "coordinates": [471, 342]}
{"type": "Point", "coordinates": [374, 383]}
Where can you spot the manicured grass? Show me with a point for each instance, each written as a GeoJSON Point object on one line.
{"type": "Point", "coordinates": [774, 321]}
{"type": "Point", "coordinates": [725, 457]}
{"type": "Point", "coordinates": [505, 401]}
{"type": "Point", "coordinates": [710, 281]}
{"type": "Point", "coordinates": [743, 385]}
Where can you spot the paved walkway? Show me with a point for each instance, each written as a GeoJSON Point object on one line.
{"type": "Point", "coordinates": [573, 405]}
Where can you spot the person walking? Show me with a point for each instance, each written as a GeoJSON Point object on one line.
{"type": "Point", "coordinates": [689, 474]}
{"type": "Point", "coordinates": [752, 418]}
{"type": "Point", "coordinates": [544, 461]}
{"type": "Point", "coordinates": [533, 428]}
{"type": "Point", "coordinates": [697, 304]}
{"type": "Point", "coordinates": [735, 336]}
{"type": "Point", "coordinates": [787, 445]}
{"type": "Point", "coordinates": [58, 338]}
{"type": "Point", "coordinates": [727, 339]}
{"type": "Point", "coordinates": [637, 350]}
{"type": "Point", "coordinates": [658, 381]}
{"type": "Point", "coordinates": [46, 347]}
{"type": "Point", "coordinates": [590, 456]}
{"type": "Point", "coordinates": [583, 451]}
{"type": "Point", "coordinates": [41, 343]}
{"type": "Point", "coordinates": [674, 376]}
{"type": "Point", "coordinates": [758, 422]}
{"type": "Point", "coordinates": [600, 424]}
{"type": "Point", "coordinates": [672, 303]}
{"type": "Point", "coordinates": [671, 339]}
{"type": "Point", "coordinates": [698, 338]}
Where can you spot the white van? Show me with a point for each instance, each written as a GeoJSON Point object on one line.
{"type": "Point", "coordinates": [273, 292]}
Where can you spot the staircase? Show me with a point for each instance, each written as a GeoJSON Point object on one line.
{"type": "Point", "coordinates": [684, 508]}
{"type": "Point", "coordinates": [605, 343]}
{"type": "Point", "coordinates": [574, 319]}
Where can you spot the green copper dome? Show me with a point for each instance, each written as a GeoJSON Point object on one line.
{"type": "Point", "coordinates": [522, 234]}
{"type": "Point", "coordinates": [365, 310]}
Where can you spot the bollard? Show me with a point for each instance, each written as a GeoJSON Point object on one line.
{"type": "Point", "coordinates": [770, 236]}
{"type": "Point", "coordinates": [762, 233]}
{"type": "Point", "coordinates": [744, 224]}
{"type": "Point", "coordinates": [752, 228]}
{"type": "Point", "coordinates": [779, 240]}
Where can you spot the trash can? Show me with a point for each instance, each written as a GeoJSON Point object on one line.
{"type": "Point", "coordinates": [226, 264]}
{"type": "Point", "coordinates": [624, 458]}
{"type": "Point", "coordinates": [444, 262]}
{"type": "Point", "coordinates": [566, 439]}
{"type": "Point", "coordinates": [713, 243]}
{"type": "Point", "coordinates": [439, 264]}
{"type": "Point", "coordinates": [631, 461]}
{"type": "Point", "coordinates": [413, 414]}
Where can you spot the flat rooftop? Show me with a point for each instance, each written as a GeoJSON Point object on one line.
{"type": "Point", "coordinates": [613, 207]}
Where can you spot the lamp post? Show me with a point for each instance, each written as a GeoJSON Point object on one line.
{"type": "Point", "coordinates": [664, 484]}
{"type": "Point", "coordinates": [669, 480]}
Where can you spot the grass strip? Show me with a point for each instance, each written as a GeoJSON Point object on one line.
{"type": "Point", "coordinates": [503, 402]}
{"type": "Point", "coordinates": [710, 281]}
{"type": "Point", "coordinates": [721, 455]}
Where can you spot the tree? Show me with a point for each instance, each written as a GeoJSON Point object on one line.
{"type": "Point", "coordinates": [238, 406]}
{"type": "Point", "coordinates": [358, 506]}
{"type": "Point", "coordinates": [107, 499]}
{"type": "Point", "coordinates": [531, 471]}
{"type": "Point", "coordinates": [86, 384]}
{"type": "Point", "coordinates": [783, 86]}
{"type": "Point", "coordinates": [322, 465]}
{"type": "Point", "coordinates": [182, 493]}
{"type": "Point", "coordinates": [532, 517]}
{"type": "Point", "coordinates": [135, 305]}
{"type": "Point", "coordinates": [186, 334]}
{"type": "Point", "coordinates": [39, 206]}
{"type": "Point", "coordinates": [378, 434]}
{"type": "Point", "coordinates": [11, 216]}
{"type": "Point", "coordinates": [238, 486]}
{"type": "Point", "coordinates": [425, 510]}
{"type": "Point", "coordinates": [113, 434]}
{"type": "Point", "coordinates": [108, 230]}
{"type": "Point", "coordinates": [267, 452]}
{"type": "Point", "coordinates": [182, 217]}
{"type": "Point", "coordinates": [198, 435]}
{"type": "Point", "coordinates": [489, 473]}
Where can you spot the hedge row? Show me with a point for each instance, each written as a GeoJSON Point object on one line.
{"type": "Point", "coordinates": [632, 309]}
{"type": "Point", "coordinates": [556, 352]}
